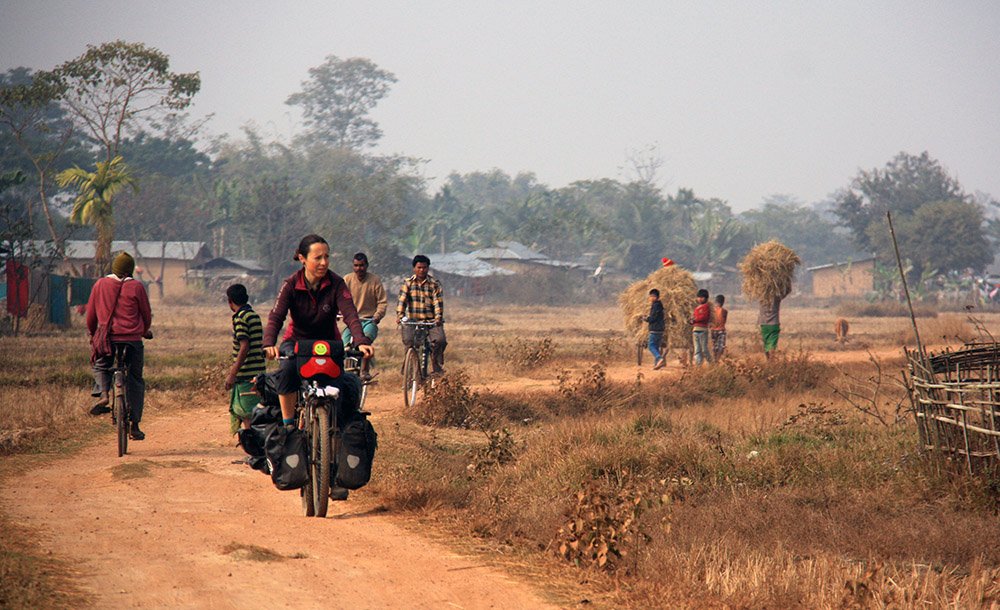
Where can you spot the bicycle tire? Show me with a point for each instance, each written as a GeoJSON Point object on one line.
{"type": "Point", "coordinates": [411, 377]}
{"type": "Point", "coordinates": [364, 396]}
{"type": "Point", "coordinates": [308, 507]}
{"type": "Point", "coordinates": [319, 466]}
{"type": "Point", "coordinates": [121, 411]}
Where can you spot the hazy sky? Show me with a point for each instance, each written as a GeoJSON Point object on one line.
{"type": "Point", "coordinates": [742, 99]}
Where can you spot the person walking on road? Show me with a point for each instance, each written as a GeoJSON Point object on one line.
{"type": "Point", "coordinates": [248, 358]}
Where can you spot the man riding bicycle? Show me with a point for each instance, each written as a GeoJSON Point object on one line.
{"type": "Point", "coordinates": [370, 300]}
{"type": "Point", "coordinates": [123, 302]}
{"type": "Point", "coordinates": [421, 299]}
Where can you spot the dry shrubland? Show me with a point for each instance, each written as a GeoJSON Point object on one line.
{"type": "Point", "coordinates": [745, 484]}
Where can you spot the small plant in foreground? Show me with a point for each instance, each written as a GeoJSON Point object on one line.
{"type": "Point", "coordinates": [498, 450]}
{"type": "Point", "coordinates": [604, 527]}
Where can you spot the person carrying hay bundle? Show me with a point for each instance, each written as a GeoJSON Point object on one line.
{"type": "Point", "coordinates": [677, 289]}
{"type": "Point", "coordinates": [768, 270]}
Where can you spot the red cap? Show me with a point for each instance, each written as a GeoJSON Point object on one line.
{"type": "Point", "coordinates": [667, 262]}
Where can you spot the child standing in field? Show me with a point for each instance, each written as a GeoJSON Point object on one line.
{"type": "Point", "coordinates": [657, 326]}
{"type": "Point", "coordinates": [699, 322]}
{"type": "Point", "coordinates": [248, 358]}
{"type": "Point", "coordinates": [718, 327]}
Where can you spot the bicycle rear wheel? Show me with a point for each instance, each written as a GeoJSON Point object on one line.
{"type": "Point", "coordinates": [411, 377]}
{"type": "Point", "coordinates": [319, 454]}
{"type": "Point", "coordinates": [121, 412]}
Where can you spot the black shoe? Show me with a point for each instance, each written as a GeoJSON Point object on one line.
{"type": "Point", "coordinates": [100, 409]}
{"type": "Point", "coordinates": [135, 433]}
{"type": "Point", "coordinates": [339, 494]}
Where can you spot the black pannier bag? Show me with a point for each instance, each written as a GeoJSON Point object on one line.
{"type": "Point", "coordinates": [287, 457]}
{"type": "Point", "coordinates": [356, 453]}
{"type": "Point", "coordinates": [263, 420]}
{"type": "Point", "coordinates": [265, 386]}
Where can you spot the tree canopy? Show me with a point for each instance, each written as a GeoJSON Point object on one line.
{"type": "Point", "coordinates": [114, 88]}
{"type": "Point", "coordinates": [336, 101]}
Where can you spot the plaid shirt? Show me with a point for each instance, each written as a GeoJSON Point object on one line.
{"type": "Point", "coordinates": [425, 300]}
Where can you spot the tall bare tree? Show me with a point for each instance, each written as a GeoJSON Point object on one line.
{"type": "Point", "coordinates": [115, 88]}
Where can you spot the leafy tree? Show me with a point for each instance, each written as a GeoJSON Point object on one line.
{"type": "Point", "coordinates": [337, 98]}
{"type": "Point", "coordinates": [945, 235]}
{"type": "Point", "coordinates": [38, 128]}
{"type": "Point", "coordinates": [116, 88]}
{"type": "Point", "coordinates": [271, 223]}
{"type": "Point", "coordinates": [93, 203]}
{"type": "Point", "coordinates": [151, 154]}
{"type": "Point", "coordinates": [814, 236]}
{"type": "Point", "coordinates": [906, 184]}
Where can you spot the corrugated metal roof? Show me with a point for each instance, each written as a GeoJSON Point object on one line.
{"type": "Point", "coordinates": [178, 250]}
{"type": "Point", "coordinates": [845, 263]}
{"type": "Point", "coordinates": [465, 265]}
{"type": "Point", "coordinates": [508, 250]}
{"type": "Point", "coordinates": [516, 251]}
{"type": "Point", "coordinates": [223, 262]}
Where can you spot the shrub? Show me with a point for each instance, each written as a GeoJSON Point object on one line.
{"type": "Point", "coordinates": [521, 354]}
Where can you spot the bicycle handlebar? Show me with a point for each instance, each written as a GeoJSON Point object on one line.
{"type": "Point", "coordinates": [417, 323]}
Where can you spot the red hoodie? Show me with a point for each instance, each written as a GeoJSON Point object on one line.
{"type": "Point", "coordinates": [133, 315]}
{"type": "Point", "coordinates": [702, 314]}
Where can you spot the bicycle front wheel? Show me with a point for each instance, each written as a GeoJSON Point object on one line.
{"type": "Point", "coordinates": [364, 395]}
{"type": "Point", "coordinates": [119, 407]}
{"type": "Point", "coordinates": [411, 377]}
{"type": "Point", "coordinates": [308, 508]}
{"type": "Point", "coordinates": [319, 454]}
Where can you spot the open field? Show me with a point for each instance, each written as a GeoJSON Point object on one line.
{"type": "Point", "coordinates": [749, 484]}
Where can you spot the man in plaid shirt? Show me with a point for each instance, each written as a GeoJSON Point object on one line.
{"type": "Point", "coordinates": [422, 300]}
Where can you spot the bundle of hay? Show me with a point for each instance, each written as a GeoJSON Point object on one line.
{"type": "Point", "coordinates": [768, 271]}
{"type": "Point", "coordinates": [677, 293]}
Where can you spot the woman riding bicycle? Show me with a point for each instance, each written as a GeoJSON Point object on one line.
{"type": "Point", "coordinates": [313, 295]}
{"type": "Point", "coordinates": [124, 303]}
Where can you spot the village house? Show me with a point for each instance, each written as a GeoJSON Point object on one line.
{"type": "Point", "coordinates": [161, 264]}
{"type": "Point", "coordinates": [847, 279]}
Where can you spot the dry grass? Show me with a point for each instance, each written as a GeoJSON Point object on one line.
{"type": "Point", "coordinates": [768, 270]}
{"type": "Point", "coordinates": [780, 495]}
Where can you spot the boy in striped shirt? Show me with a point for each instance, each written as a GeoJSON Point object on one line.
{"type": "Point", "coordinates": [248, 358]}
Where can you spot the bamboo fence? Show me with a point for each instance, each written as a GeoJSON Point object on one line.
{"type": "Point", "coordinates": [956, 400]}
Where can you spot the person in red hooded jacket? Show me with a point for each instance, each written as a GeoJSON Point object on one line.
{"type": "Point", "coordinates": [699, 322]}
{"type": "Point", "coordinates": [124, 301]}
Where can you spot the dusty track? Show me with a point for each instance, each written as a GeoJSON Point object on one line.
{"type": "Point", "coordinates": [168, 536]}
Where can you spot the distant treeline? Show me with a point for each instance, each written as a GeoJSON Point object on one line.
{"type": "Point", "coordinates": [252, 197]}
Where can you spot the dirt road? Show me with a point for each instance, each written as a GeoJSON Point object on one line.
{"type": "Point", "coordinates": [177, 524]}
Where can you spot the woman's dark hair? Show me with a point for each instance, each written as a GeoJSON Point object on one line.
{"type": "Point", "coordinates": [703, 293]}
{"type": "Point", "coordinates": [420, 258]}
{"type": "Point", "coordinates": [655, 292]}
{"type": "Point", "coordinates": [307, 241]}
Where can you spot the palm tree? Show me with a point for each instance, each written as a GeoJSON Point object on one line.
{"type": "Point", "coordinates": [92, 205]}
